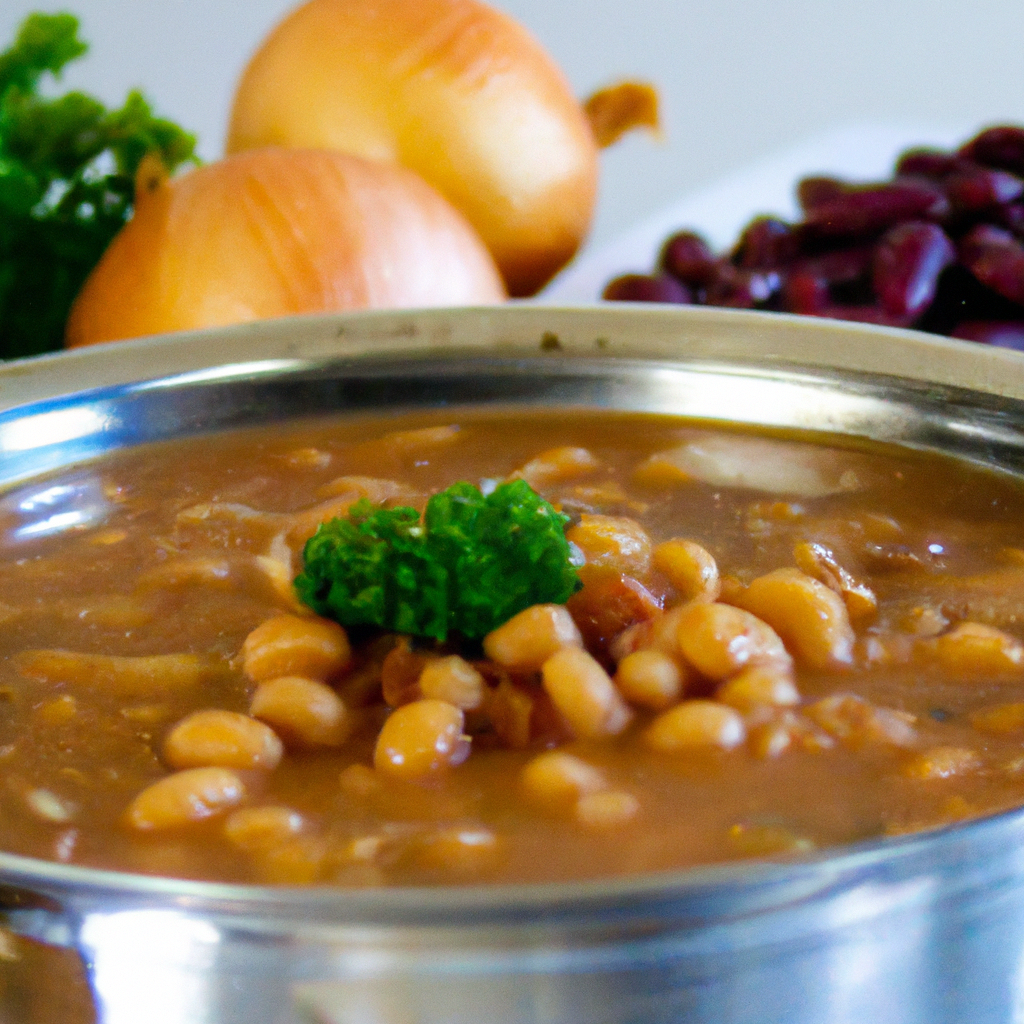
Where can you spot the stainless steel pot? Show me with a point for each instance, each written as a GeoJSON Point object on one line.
{"type": "Point", "coordinates": [925, 929]}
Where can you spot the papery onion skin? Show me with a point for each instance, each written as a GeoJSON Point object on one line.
{"type": "Point", "coordinates": [273, 232]}
{"type": "Point", "coordinates": [452, 89]}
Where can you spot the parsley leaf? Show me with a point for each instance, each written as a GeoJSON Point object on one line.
{"type": "Point", "coordinates": [469, 565]}
{"type": "Point", "coordinates": [67, 181]}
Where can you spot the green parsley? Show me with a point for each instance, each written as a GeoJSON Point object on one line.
{"type": "Point", "coordinates": [67, 181]}
{"type": "Point", "coordinates": [470, 564]}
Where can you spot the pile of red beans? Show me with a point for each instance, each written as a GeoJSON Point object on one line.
{"type": "Point", "coordinates": [939, 247]}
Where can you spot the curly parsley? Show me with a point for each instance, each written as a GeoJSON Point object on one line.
{"type": "Point", "coordinates": [67, 181]}
{"type": "Point", "coordinates": [470, 564]}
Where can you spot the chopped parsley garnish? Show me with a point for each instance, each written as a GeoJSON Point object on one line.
{"type": "Point", "coordinates": [470, 564]}
{"type": "Point", "coordinates": [67, 181]}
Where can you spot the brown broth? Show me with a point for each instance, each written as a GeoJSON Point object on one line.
{"type": "Point", "coordinates": [939, 542]}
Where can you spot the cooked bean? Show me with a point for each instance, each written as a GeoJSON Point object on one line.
{"type": "Point", "coordinates": [184, 572]}
{"type": "Point", "coordinates": [811, 619]}
{"type": "Point", "coordinates": [608, 604]}
{"type": "Point", "coordinates": [222, 739]}
{"type": "Point", "coordinates": [297, 861]}
{"type": "Point", "coordinates": [999, 720]}
{"type": "Point", "coordinates": [291, 645]}
{"type": "Point", "coordinates": [765, 840]}
{"type": "Point", "coordinates": [924, 621]}
{"type": "Point", "coordinates": [942, 763]}
{"type": "Point", "coordinates": [259, 828]}
{"type": "Point", "coordinates": [400, 673]}
{"type": "Point", "coordinates": [462, 851]}
{"type": "Point", "coordinates": [276, 566]}
{"type": "Point", "coordinates": [108, 538]}
{"type": "Point", "coordinates": [185, 797]}
{"type": "Point", "coordinates": [856, 722]}
{"type": "Point", "coordinates": [58, 711]}
{"type": "Point", "coordinates": [759, 686]}
{"type": "Point", "coordinates": [147, 714]}
{"type": "Point", "coordinates": [306, 713]}
{"type": "Point", "coordinates": [659, 633]}
{"type": "Point", "coordinates": [510, 708]}
{"type": "Point", "coordinates": [359, 781]}
{"type": "Point", "coordinates": [802, 731]}
{"type": "Point", "coordinates": [528, 639]}
{"type": "Point", "coordinates": [975, 649]}
{"type": "Point", "coordinates": [421, 738]}
{"type": "Point", "coordinates": [719, 640]}
{"type": "Point", "coordinates": [362, 849]}
{"type": "Point", "coordinates": [606, 810]}
{"type": "Point", "coordinates": [584, 694]}
{"type": "Point", "coordinates": [557, 779]}
{"type": "Point", "coordinates": [454, 680]}
{"type": "Point", "coordinates": [127, 677]}
{"type": "Point", "coordinates": [615, 541]}
{"type": "Point", "coordinates": [376, 490]}
{"type": "Point", "coordinates": [818, 561]}
{"type": "Point", "coordinates": [308, 458]}
{"type": "Point", "coordinates": [696, 724]}
{"type": "Point", "coordinates": [650, 679]}
{"type": "Point", "coordinates": [300, 526]}
{"type": "Point", "coordinates": [770, 739]}
{"type": "Point", "coordinates": [690, 568]}
{"type": "Point", "coordinates": [422, 437]}
{"type": "Point", "coordinates": [556, 465]}
{"type": "Point", "coordinates": [109, 611]}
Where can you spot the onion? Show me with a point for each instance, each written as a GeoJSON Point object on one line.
{"type": "Point", "coordinates": [449, 88]}
{"type": "Point", "coordinates": [277, 231]}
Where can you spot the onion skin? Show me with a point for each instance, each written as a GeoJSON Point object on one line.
{"type": "Point", "coordinates": [274, 232]}
{"type": "Point", "coordinates": [452, 89]}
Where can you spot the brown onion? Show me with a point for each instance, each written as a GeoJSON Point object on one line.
{"type": "Point", "coordinates": [449, 88]}
{"type": "Point", "coordinates": [278, 231]}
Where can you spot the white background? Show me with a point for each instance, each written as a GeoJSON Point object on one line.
{"type": "Point", "coordinates": [739, 78]}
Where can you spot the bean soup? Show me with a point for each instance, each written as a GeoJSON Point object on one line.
{"type": "Point", "coordinates": [778, 643]}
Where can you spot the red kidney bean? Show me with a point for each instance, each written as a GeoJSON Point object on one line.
{"type": "Point", "coordinates": [868, 209]}
{"type": "Point", "coordinates": [767, 243]}
{"type": "Point", "coordinates": [1003, 333]}
{"type": "Point", "coordinates": [688, 258]}
{"type": "Point", "coordinates": [805, 292]}
{"type": "Point", "coordinates": [940, 246]}
{"type": "Point", "coordinates": [840, 265]}
{"type": "Point", "coordinates": [647, 288]}
{"type": "Point", "coordinates": [981, 187]}
{"type": "Point", "coordinates": [814, 192]}
{"type": "Point", "coordinates": [742, 289]}
{"type": "Point", "coordinates": [996, 258]}
{"type": "Point", "coordinates": [927, 163]}
{"type": "Point", "coordinates": [1011, 216]}
{"type": "Point", "coordinates": [1001, 147]}
{"type": "Point", "coordinates": [841, 276]}
{"type": "Point", "coordinates": [961, 296]}
{"type": "Point", "coordinates": [907, 264]}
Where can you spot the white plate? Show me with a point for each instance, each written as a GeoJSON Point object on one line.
{"type": "Point", "coordinates": [861, 152]}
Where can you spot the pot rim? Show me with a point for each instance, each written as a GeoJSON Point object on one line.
{"type": "Point", "coordinates": [802, 874]}
{"type": "Point", "coordinates": [738, 337]}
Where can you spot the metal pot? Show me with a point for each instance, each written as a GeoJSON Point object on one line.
{"type": "Point", "coordinates": [925, 929]}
